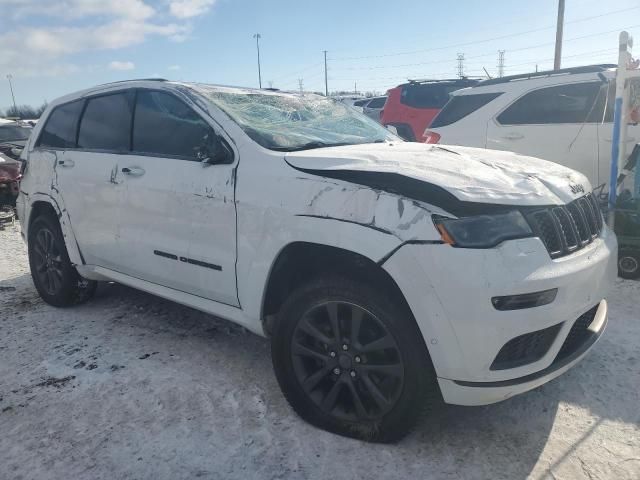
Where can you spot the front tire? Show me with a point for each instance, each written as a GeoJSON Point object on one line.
{"type": "Point", "coordinates": [55, 278]}
{"type": "Point", "coordinates": [351, 360]}
{"type": "Point", "coordinates": [629, 264]}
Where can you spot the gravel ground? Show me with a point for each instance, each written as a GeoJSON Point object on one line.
{"type": "Point", "coordinates": [133, 386]}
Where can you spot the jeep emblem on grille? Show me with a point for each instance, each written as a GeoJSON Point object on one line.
{"type": "Point", "coordinates": [576, 188]}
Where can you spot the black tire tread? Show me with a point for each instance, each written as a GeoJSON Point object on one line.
{"type": "Point", "coordinates": [625, 252]}
{"type": "Point", "coordinates": [75, 290]}
{"type": "Point", "coordinates": [399, 422]}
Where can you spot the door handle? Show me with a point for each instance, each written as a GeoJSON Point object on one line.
{"type": "Point", "coordinates": [628, 140]}
{"type": "Point", "coordinates": [513, 136]}
{"type": "Point", "coordinates": [133, 171]}
{"type": "Point", "coordinates": [66, 162]}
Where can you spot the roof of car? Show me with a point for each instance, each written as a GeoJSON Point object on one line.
{"type": "Point", "coordinates": [548, 73]}
{"type": "Point", "coordinates": [151, 82]}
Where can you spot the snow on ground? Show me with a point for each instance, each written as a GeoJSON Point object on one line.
{"type": "Point", "coordinates": [133, 386]}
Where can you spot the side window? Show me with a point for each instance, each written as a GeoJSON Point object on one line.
{"type": "Point", "coordinates": [106, 123]}
{"type": "Point", "coordinates": [426, 96]}
{"type": "Point", "coordinates": [61, 126]}
{"type": "Point", "coordinates": [571, 103]}
{"type": "Point", "coordinates": [164, 125]}
{"type": "Point", "coordinates": [460, 106]}
{"type": "Point", "coordinates": [377, 102]}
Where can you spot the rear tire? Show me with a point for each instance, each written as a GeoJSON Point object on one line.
{"type": "Point", "coordinates": [55, 278]}
{"type": "Point", "coordinates": [629, 264]}
{"type": "Point", "coordinates": [371, 381]}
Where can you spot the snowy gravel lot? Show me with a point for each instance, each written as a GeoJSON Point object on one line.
{"type": "Point", "coordinates": [133, 386]}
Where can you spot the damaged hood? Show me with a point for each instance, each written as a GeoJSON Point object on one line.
{"type": "Point", "coordinates": [436, 172]}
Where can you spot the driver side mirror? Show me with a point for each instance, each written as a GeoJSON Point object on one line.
{"type": "Point", "coordinates": [214, 150]}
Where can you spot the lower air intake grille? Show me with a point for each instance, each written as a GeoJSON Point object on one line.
{"type": "Point", "coordinates": [527, 348]}
{"type": "Point", "coordinates": [578, 334]}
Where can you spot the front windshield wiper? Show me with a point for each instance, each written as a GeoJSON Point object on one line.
{"type": "Point", "coordinates": [309, 146]}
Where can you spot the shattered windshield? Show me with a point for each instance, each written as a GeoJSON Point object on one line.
{"type": "Point", "coordinates": [290, 122]}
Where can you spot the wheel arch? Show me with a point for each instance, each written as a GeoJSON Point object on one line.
{"type": "Point", "coordinates": [42, 203]}
{"type": "Point", "coordinates": [302, 261]}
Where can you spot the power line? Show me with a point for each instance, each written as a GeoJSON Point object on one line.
{"type": "Point", "coordinates": [475, 42]}
{"type": "Point", "coordinates": [490, 54]}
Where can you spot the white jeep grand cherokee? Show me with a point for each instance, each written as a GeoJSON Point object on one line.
{"type": "Point", "coordinates": [387, 274]}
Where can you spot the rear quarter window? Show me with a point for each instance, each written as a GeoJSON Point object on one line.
{"type": "Point", "coordinates": [60, 129]}
{"type": "Point", "coordinates": [460, 106]}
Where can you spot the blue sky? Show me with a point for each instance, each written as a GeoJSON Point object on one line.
{"type": "Point", "coordinates": [55, 47]}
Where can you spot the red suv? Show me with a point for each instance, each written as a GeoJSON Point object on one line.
{"type": "Point", "coordinates": [411, 106]}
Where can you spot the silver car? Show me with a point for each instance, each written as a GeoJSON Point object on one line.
{"type": "Point", "coordinates": [373, 108]}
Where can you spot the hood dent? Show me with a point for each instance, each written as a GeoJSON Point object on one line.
{"type": "Point", "coordinates": [449, 177]}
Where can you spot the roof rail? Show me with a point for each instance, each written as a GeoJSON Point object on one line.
{"type": "Point", "coordinates": [547, 73]}
{"type": "Point", "coordinates": [434, 80]}
{"type": "Point", "coordinates": [135, 80]}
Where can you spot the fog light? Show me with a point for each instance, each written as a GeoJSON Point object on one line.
{"type": "Point", "coordinates": [526, 300]}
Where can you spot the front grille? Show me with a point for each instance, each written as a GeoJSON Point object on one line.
{"type": "Point", "coordinates": [527, 348]}
{"type": "Point", "coordinates": [566, 229]}
{"type": "Point", "coordinates": [578, 334]}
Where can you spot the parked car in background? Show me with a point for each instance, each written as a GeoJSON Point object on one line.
{"type": "Point", "coordinates": [10, 173]}
{"type": "Point", "coordinates": [306, 222]}
{"type": "Point", "coordinates": [350, 100]}
{"type": "Point", "coordinates": [373, 108]}
{"type": "Point", "coordinates": [564, 116]}
{"type": "Point", "coordinates": [13, 136]}
{"type": "Point", "coordinates": [410, 107]}
{"type": "Point", "coordinates": [359, 104]}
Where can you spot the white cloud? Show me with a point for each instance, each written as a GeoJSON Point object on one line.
{"type": "Point", "coordinates": [116, 65]}
{"type": "Point", "coordinates": [174, 67]}
{"type": "Point", "coordinates": [190, 8]}
{"type": "Point", "coordinates": [74, 9]}
{"type": "Point", "coordinates": [76, 26]}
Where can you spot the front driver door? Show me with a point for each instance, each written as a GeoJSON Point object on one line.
{"type": "Point", "coordinates": [178, 224]}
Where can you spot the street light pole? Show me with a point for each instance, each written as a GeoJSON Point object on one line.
{"type": "Point", "coordinates": [559, 28]}
{"type": "Point", "coordinates": [257, 37]}
{"type": "Point", "coordinates": [15, 108]}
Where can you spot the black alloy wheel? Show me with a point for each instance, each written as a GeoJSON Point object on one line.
{"type": "Point", "coordinates": [350, 358]}
{"type": "Point", "coordinates": [347, 361]}
{"type": "Point", "coordinates": [54, 276]}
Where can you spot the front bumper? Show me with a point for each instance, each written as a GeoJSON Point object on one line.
{"type": "Point", "coordinates": [483, 393]}
{"type": "Point", "coordinates": [449, 291]}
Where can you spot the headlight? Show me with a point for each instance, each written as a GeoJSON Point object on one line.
{"type": "Point", "coordinates": [482, 231]}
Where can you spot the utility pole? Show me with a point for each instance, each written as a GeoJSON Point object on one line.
{"type": "Point", "coordinates": [257, 37]}
{"type": "Point", "coordinates": [500, 63]}
{"type": "Point", "coordinates": [559, 28]}
{"type": "Point", "coordinates": [461, 65]}
{"type": "Point", "coordinates": [15, 108]}
{"type": "Point", "coordinates": [300, 84]}
{"type": "Point", "coordinates": [355, 87]}
{"type": "Point", "coordinates": [326, 83]}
